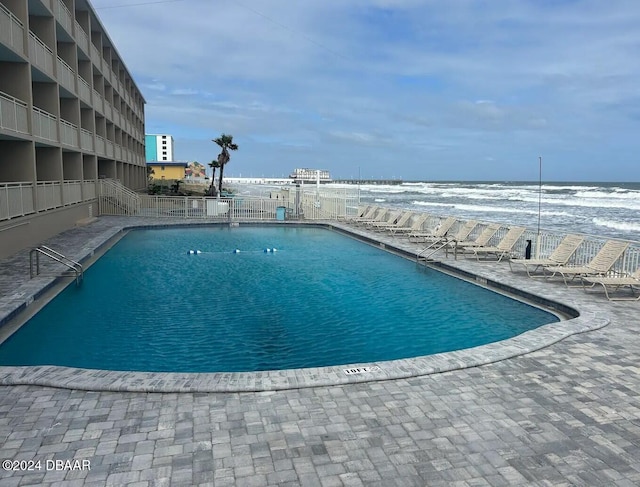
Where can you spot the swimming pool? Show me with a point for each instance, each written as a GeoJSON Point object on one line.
{"type": "Point", "coordinates": [320, 299]}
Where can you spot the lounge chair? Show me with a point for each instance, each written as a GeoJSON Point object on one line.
{"type": "Point", "coordinates": [616, 283]}
{"type": "Point", "coordinates": [362, 210]}
{"type": "Point", "coordinates": [481, 241]}
{"type": "Point", "coordinates": [560, 256]}
{"type": "Point", "coordinates": [370, 213]}
{"type": "Point", "coordinates": [504, 247]}
{"type": "Point", "coordinates": [416, 226]}
{"type": "Point", "coordinates": [400, 222]}
{"type": "Point", "coordinates": [390, 219]}
{"type": "Point", "coordinates": [600, 265]}
{"type": "Point", "coordinates": [438, 243]}
{"type": "Point", "coordinates": [379, 215]}
{"type": "Point", "coordinates": [440, 231]}
{"type": "Point", "coordinates": [463, 232]}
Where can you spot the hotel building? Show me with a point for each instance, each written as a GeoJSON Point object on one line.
{"type": "Point", "coordinates": [70, 113]}
{"type": "Point", "coordinates": [159, 147]}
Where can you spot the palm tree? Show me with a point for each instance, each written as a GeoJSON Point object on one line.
{"type": "Point", "coordinates": [226, 143]}
{"type": "Point", "coordinates": [212, 189]}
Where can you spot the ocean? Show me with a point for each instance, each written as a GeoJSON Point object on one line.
{"type": "Point", "coordinates": [598, 209]}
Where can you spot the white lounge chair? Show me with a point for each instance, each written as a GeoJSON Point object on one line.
{"type": "Point", "coordinates": [481, 241]}
{"type": "Point", "coordinates": [400, 222]}
{"type": "Point", "coordinates": [390, 219]}
{"type": "Point", "coordinates": [615, 283]}
{"type": "Point", "coordinates": [416, 226]}
{"type": "Point", "coordinates": [362, 210]}
{"type": "Point", "coordinates": [504, 247]}
{"type": "Point", "coordinates": [599, 266]}
{"type": "Point", "coordinates": [370, 213]}
{"type": "Point", "coordinates": [440, 231]}
{"type": "Point", "coordinates": [560, 256]}
{"type": "Point", "coordinates": [380, 215]}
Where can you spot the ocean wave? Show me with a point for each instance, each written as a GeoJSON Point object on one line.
{"type": "Point", "coordinates": [379, 200]}
{"type": "Point", "coordinates": [619, 194]}
{"type": "Point", "coordinates": [493, 209]}
{"type": "Point", "coordinates": [625, 226]}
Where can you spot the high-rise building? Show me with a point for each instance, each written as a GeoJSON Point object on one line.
{"type": "Point", "coordinates": [159, 147]}
{"type": "Point", "coordinates": [70, 113]}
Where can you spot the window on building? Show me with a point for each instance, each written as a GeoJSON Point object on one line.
{"type": "Point", "coordinates": [164, 158]}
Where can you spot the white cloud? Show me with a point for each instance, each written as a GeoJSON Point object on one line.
{"type": "Point", "coordinates": [338, 80]}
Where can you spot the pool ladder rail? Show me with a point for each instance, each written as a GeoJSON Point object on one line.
{"type": "Point", "coordinates": [72, 265]}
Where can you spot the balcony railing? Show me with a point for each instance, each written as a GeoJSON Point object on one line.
{"type": "Point", "coordinates": [48, 195]}
{"type": "Point", "coordinates": [61, 12]}
{"type": "Point", "coordinates": [86, 140]}
{"type": "Point", "coordinates": [45, 124]}
{"type": "Point", "coordinates": [71, 192]}
{"type": "Point", "coordinates": [108, 149]}
{"type": "Point", "coordinates": [98, 101]}
{"type": "Point", "coordinates": [13, 114]}
{"type": "Point", "coordinates": [66, 75]}
{"type": "Point", "coordinates": [17, 200]}
{"type": "Point", "coordinates": [99, 145]}
{"type": "Point", "coordinates": [108, 110]}
{"type": "Point", "coordinates": [40, 54]}
{"type": "Point", "coordinates": [82, 39]}
{"type": "Point", "coordinates": [68, 133]}
{"type": "Point", "coordinates": [88, 190]}
{"type": "Point", "coordinates": [95, 56]}
{"type": "Point", "coordinates": [11, 30]}
{"type": "Point", "coordinates": [84, 90]}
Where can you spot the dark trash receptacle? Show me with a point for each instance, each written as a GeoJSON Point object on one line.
{"type": "Point", "coordinates": [281, 211]}
{"type": "Point", "coordinates": [527, 251]}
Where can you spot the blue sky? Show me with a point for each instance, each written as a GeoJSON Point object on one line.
{"type": "Point", "coordinates": [412, 89]}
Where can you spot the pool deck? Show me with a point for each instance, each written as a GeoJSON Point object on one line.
{"type": "Point", "coordinates": [560, 406]}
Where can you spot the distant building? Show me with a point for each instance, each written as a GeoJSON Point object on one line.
{"type": "Point", "coordinates": [307, 175]}
{"type": "Point", "coordinates": [195, 170]}
{"type": "Point", "coordinates": [159, 147]}
{"type": "Point", "coordinates": [167, 169]}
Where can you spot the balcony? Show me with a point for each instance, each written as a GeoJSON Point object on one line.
{"type": "Point", "coordinates": [108, 110]}
{"type": "Point", "coordinates": [40, 54]}
{"type": "Point", "coordinates": [109, 149]}
{"type": "Point", "coordinates": [100, 145]}
{"type": "Point", "coordinates": [48, 195]}
{"type": "Point", "coordinates": [71, 192]}
{"type": "Point", "coordinates": [68, 133]}
{"type": "Point", "coordinates": [82, 39]}
{"type": "Point", "coordinates": [95, 56]}
{"type": "Point", "coordinates": [18, 198]}
{"type": "Point", "coordinates": [98, 102]}
{"type": "Point", "coordinates": [88, 190]}
{"type": "Point", "coordinates": [86, 140]}
{"type": "Point", "coordinates": [62, 14]}
{"type": "Point", "coordinates": [11, 30]}
{"type": "Point", "coordinates": [66, 75]}
{"type": "Point", "coordinates": [45, 125]}
{"type": "Point", "coordinates": [84, 90]}
{"type": "Point", "coordinates": [13, 114]}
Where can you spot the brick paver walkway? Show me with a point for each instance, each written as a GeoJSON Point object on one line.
{"type": "Point", "coordinates": [568, 414]}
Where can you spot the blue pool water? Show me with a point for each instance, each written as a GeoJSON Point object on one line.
{"type": "Point", "coordinates": [320, 299]}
